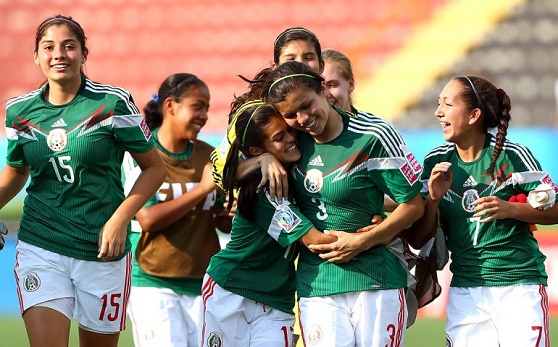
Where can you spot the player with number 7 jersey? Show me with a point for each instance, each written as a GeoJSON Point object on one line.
{"type": "Point", "coordinates": [497, 295]}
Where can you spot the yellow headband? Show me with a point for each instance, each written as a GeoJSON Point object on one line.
{"type": "Point", "coordinates": [288, 76]}
{"type": "Point", "coordinates": [248, 123]}
{"type": "Point", "coordinates": [231, 131]}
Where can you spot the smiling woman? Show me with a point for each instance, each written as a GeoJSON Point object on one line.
{"type": "Point", "coordinates": [174, 233]}
{"type": "Point", "coordinates": [69, 137]}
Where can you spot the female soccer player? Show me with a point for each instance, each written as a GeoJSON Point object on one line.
{"type": "Point", "coordinates": [497, 295]}
{"type": "Point", "coordinates": [69, 137]}
{"type": "Point", "coordinates": [293, 44]}
{"type": "Point", "coordinates": [347, 164]}
{"type": "Point", "coordinates": [249, 290]}
{"type": "Point", "coordinates": [177, 226]}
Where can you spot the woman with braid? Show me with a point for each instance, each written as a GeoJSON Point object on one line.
{"type": "Point", "coordinates": [348, 162]}
{"type": "Point", "coordinates": [497, 295]}
{"type": "Point", "coordinates": [249, 290]}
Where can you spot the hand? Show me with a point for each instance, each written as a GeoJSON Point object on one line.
{"type": "Point", "coordinates": [492, 208]}
{"type": "Point", "coordinates": [206, 181]}
{"type": "Point", "coordinates": [439, 181]}
{"type": "Point", "coordinates": [347, 246]}
{"type": "Point", "coordinates": [377, 219]}
{"type": "Point", "coordinates": [274, 172]}
{"type": "Point", "coordinates": [112, 240]}
{"type": "Point", "coordinates": [233, 207]}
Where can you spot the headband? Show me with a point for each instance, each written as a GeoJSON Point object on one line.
{"type": "Point", "coordinates": [288, 76]}
{"type": "Point", "coordinates": [292, 30]}
{"type": "Point", "coordinates": [231, 132]}
{"type": "Point", "coordinates": [248, 123]}
{"type": "Point", "coordinates": [63, 19]}
{"type": "Point", "coordinates": [479, 101]}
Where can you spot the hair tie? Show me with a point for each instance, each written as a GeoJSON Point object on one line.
{"type": "Point", "coordinates": [500, 92]}
{"type": "Point", "coordinates": [155, 97]}
{"type": "Point", "coordinates": [288, 76]}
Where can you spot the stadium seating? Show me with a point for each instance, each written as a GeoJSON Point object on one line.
{"type": "Point", "coordinates": [519, 54]}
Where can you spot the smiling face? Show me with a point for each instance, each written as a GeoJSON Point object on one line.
{"type": "Point", "coordinates": [60, 55]}
{"type": "Point", "coordinates": [280, 140]}
{"type": "Point", "coordinates": [305, 110]}
{"type": "Point", "coordinates": [456, 120]}
{"type": "Point", "coordinates": [338, 87]}
{"type": "Point", "coordinates": [302, 51]}
{"type": "Point", "coordinates": [189, 115]}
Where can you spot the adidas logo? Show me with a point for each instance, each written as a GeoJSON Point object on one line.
{"type": "Point", "coordinates": [470, 182]}
{"type": "Point", "coordinates": [316, 161]}
{"type": "Point", "coordinates": [59, 123]}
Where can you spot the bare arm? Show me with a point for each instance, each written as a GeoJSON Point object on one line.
{"type": "Point", "coordinates": [314, 236]}
{"type": "Point", "coordinates": [160, 216]}
{"type": "Point", "coordinates": [12, 180]}
{"type": "Point", "coordinates": [272, 171]}
{"type": "Point", "coordinates": [113, 235]}
{"type": "Point", "coordinates": [491, 208]}
{"type": "Point", "coordinates": [348, 245]}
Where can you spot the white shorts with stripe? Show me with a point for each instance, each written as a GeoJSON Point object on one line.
{"type": "Point", "coordinates": [359, 319]}
{"type": "Point", "coordinates": [100, 290]}
{"type": "Point", "coordinates": [162, 317]}
{"type": "Point", "coordinates": [506, 316]}
{"type": "Point", "coordinates": [231, 320]}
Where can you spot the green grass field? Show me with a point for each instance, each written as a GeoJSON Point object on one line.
{"type": "Point", "coordinates": [424, 333]}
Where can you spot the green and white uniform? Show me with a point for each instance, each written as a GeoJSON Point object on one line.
{"type": "Point", "coordinates": [497, 295]}
{"type": "Point", "coordinates": [74, 152]}
{"type": "Point", "coordinates": [340, 185]}
{"type": "Point", "coordinates": [249, 290]}
{"type": "Point", "coordinates": [504, 251]}
{"type": "Point", "coordinates": [258, 261]}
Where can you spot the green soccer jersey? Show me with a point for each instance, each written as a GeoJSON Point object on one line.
{"type": "Point", "coordinates": [258, 261]}
{"type": "Point", "coordinates": [501, 252]}
{"type": "Point", "coordinates": [340, 185]}
{"type": "Point", "coordinates": [74, 152]}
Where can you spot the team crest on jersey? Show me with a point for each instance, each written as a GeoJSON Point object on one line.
{"type": "Point", "coordinates": [469, 197]}
{"type": "Point", "coordinates": [315, 334]}
{"type": "Point", "coordinates": [57, 139]}
{"type": "Point", "coordinates": [314, 181]}
{"type": "Point", "coordinates": [286, 218]}
{"type": "Point", "coordinates": [31, 282]}
{"type": "Point", "coordinates": [215, 340]}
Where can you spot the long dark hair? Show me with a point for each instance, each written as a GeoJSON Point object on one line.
{"type": "Point", "coordinates": [495, 106]}
{"type": "Point", "coordinates": [249, 122]}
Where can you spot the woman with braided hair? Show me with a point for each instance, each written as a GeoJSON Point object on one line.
{"type": "Point", "coordinates": [248, 293]}
{"type": "Point", "coordinates": [497, 295]}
